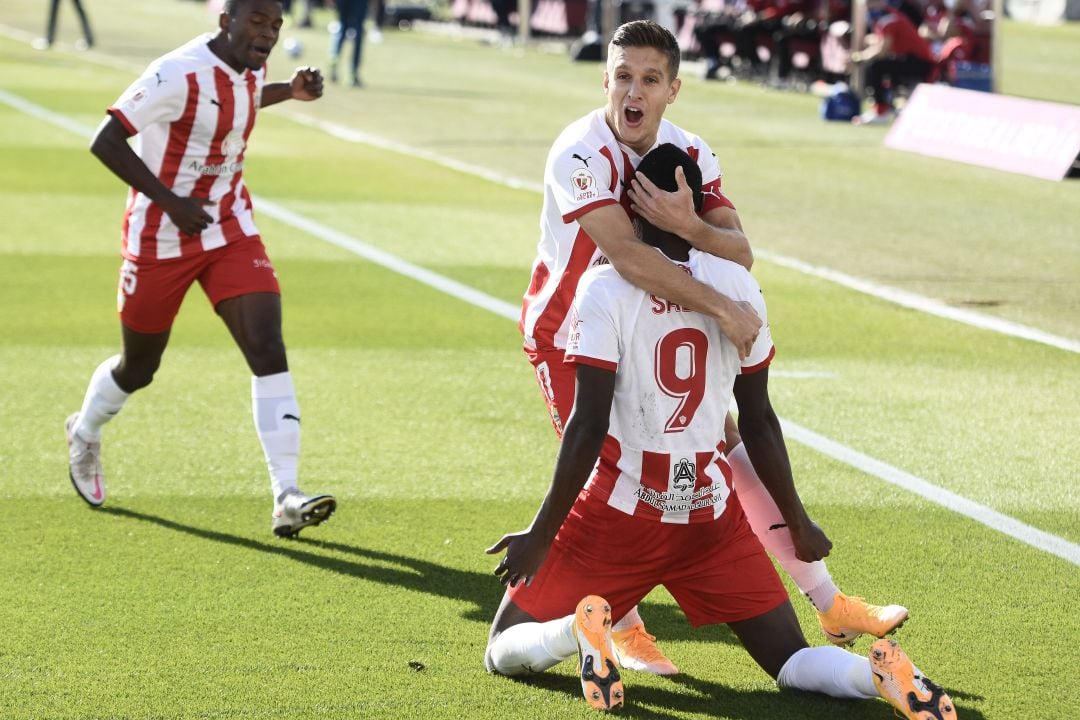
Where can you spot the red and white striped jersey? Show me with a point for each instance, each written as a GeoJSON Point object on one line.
{"type": "Point", "coordinates": [663, 457]}
{"type": "Point", "coordinates": [587, 168]}
{"type": "Point", "coordinates": [191, 115]}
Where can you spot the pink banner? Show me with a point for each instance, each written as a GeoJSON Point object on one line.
{"type": "Point", "coordinates": [1030, 137]}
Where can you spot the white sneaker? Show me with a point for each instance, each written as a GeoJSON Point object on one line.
{"type": "Point", "coordinates": [84, 465]}
{"type": "Point", "coordinates": [295, 511]}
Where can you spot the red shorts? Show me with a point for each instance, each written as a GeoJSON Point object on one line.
{"type": "Point", "coordinates": [151, 291]}
{"type": "Point", "coordinates": [558, 382]}
{"type": "Point", "coordinates": [717, 571]}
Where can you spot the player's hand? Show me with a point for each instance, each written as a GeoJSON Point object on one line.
{"type": "Point", "coordinates": [525, 553]}
{"type": "Point", "coordinates": [740, 322]}
{"type": "Point", "coordinates": [306, 84]}
{"type": "Point", "coordinates": [810, 541]}
{"type": "Point", "coordinates": [669, 211]}
{"type": "Point", "coordinates": [187, 213]}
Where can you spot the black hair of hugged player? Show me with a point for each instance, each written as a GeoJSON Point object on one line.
{"type": "Point", "coordinates": [659, 166]}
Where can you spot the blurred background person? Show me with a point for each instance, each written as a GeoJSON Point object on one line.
{"type": "Point", "coordinates": [351, 14]}
{"type": "Point", "coordinates": [894, 54]}
{"type": "Point", "coordinates": [87, 40]}
{"type": "Point", "coordinates": [301, 15]}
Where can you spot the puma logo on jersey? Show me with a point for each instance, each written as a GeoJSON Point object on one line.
{"type": "Point", "coordinates": [584, 160]}
{"type": "Point", "coordinates": [288, 416]}
{"type": "Point", "coordinates": [214, 101]}
{"type": "Point", "coordinates": [160, 80]}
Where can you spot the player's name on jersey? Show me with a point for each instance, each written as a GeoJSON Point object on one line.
{"type": "Point", "coordinates": [663, 307]}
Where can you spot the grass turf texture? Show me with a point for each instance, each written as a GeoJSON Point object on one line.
{"type": "Point", "coordinates": [422, 416]}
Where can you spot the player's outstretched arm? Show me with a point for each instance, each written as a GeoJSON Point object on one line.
{"type": "Point", "coordinates": [306, 84]}
{"type": "Point", "coordinates": [110, 146]}
{"type": "Point", "coordinates": [760, 430]}
{"type": "Point", "coordinates": [582, 440]}
{"type": "Point", "coordinates": [644, 267]}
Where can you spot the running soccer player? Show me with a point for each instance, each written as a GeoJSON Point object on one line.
{"type": "Point", "coordinates": [642, 494]}
{"type": "Point", "coordinates": [590, 189]}
{"type": "Point", "coordinates": [189, 218]}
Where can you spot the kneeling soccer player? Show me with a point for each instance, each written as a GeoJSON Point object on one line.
{"type": "Point", "coordinates": [642, 495]}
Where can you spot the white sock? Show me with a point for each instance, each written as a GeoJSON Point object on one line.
{"type": "Point", "coordinates": [828, 670]}
{"type": "Point", "coordinates": [102, 401]}
{"type": "Point", "coordinates": [768, 524]}
{"type": "Point", "coordinates": [277, 421]}
{"type": "Point", "coordinates": [823, 596]}
{"type": "Point", "coordinates": [628, 620]}
{"type": "Point", "coordinates": [532, 647]}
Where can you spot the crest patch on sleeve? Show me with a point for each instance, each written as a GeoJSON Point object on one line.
{"type": "Point", "coordinates": [136, 99]}
{"type": "Point", "coordinates": [583, 185]}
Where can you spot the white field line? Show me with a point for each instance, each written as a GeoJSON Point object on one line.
{"type": "Point", "coordinates": [957, 503]}
{"type": "Point", "coordinates": [348, 134]}
{"type": "Point", "coordinates": [391, 262]}
{"type": "Point", "coordinates": [980, 513]}
{"type": "Point", "coordinates": [922, 303]}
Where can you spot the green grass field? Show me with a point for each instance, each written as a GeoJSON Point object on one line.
{"type": "Point", "coordinates": [422, 416]}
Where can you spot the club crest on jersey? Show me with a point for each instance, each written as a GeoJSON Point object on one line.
{"type": "Point", "coordinates": [685, 475]}
{"type": "Point", "coordinates": [137, 98]}
{"type": "Point", "coordinates": [574, 338]}
{"type": "Point", "coordinates": [583, 185]}
{"type": "Point", "coordinates": [233, 145]}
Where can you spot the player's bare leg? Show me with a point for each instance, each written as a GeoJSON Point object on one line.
{"type": "Point", "coordinates": [110, 386]}
{"type": "Point", "coordinates": [842, 618]}
{"type": "Point", "coordinates": [254, 320]}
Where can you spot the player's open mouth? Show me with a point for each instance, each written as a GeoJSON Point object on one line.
{"type": "Point", "coordinates": [260, 52]}
{"type": "Point", "coordinates": [633, 116]}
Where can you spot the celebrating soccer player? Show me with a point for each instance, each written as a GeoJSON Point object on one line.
{"type": "Point", "coordinates": [642, 493]}
{"type": "Point", "coordinates": [189, 218]}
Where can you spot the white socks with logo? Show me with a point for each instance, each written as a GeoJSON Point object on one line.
{"type": "Point", "coordinates": [102, 401]}
{"type": "Point", "coordinates": [532, 647]}
{"type": "Point", "coordinates": [768, 524]}
{"type": "Point", "coordinates": [277, 421]}
{"type": "Point", "coordinates": [829, 670]}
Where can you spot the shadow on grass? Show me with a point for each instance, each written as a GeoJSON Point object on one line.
{"type": "Point", "coordinates": [683, 691]}
{"type": "Point", "coordinates": [479, 589]}
{"type": "Point", "coordinates": [691, 695]}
